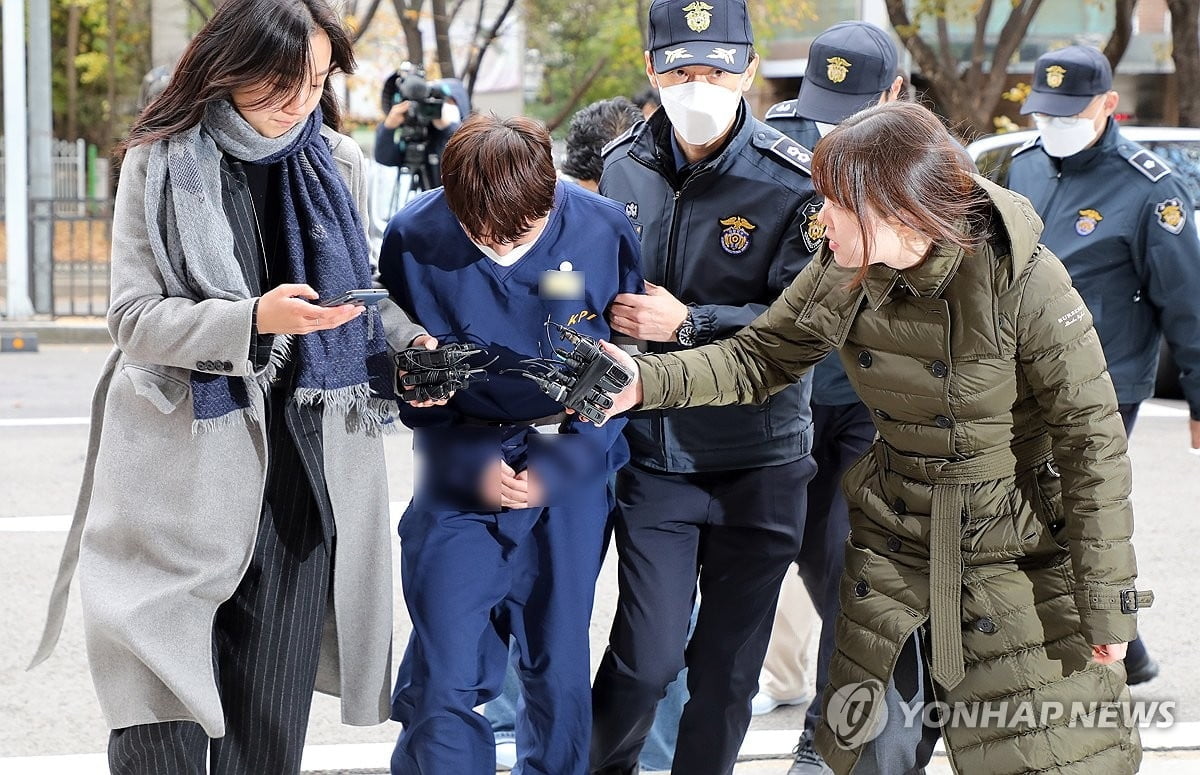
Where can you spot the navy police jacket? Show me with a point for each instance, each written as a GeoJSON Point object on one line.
{"type": "Point", "coordinates": [725, 236]}
{"type": "Point", "coordinates": [1121, 222]}
{"type": "Point", "coordinates": [831, 386]}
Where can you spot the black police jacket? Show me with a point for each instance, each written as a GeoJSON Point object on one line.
{"type": "Point", "coordinates": [725, 237]}
{"type": "Point", "coordinates": [1121, 222]}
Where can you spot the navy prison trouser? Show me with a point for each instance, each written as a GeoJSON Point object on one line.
{"type": "Point", "coordinates": [737, 532]}
{"type": "Point", "coordinates": [471, 580]}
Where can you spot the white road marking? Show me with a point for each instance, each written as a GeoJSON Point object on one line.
{"type": "Point", "coordinates": [60, 523]}
{"type": "Point", "coordinates": [759, 744]}
{"type": "Point", "coordinates": [37, 422]}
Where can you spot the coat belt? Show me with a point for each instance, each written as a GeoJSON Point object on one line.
{"type": "Point", "coordinates": [951, 481]}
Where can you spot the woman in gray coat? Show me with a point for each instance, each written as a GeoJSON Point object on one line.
{"type": "Point", "coordinates": [235, 457]}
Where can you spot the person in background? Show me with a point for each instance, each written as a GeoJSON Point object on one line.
{"type": "Point", "coordinates": [235, 457]}
{"type": "Point", "coordinates": [399, 143]}
{"type": "Point", "coordinates": [989, 566]}
{"type": "Point", "coordinates": [647, 101]}
{"type": "Point", "coordinates": [851, 66]}
{"type": "Point", "coordinates": [713, 496]}
{"type": "Point", "coordinates": [1120, 220]}
{"type": "Point", "coordinates": [590, 130]}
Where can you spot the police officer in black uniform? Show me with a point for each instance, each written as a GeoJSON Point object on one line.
{"type": "Point", "coordinates": [712, 494]}
{"type": "Point", "coordinates": [851, 66]}
{"type": "Point", "coordinates": [1121, 222]}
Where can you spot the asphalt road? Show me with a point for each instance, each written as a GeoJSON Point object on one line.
{"type": "Point", "coordinates": [44, 402]}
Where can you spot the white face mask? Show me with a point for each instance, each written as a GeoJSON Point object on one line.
{"type": "Point", "coordinates": [450, 113]}
{"type": "Point", "coordinates": [700, 111]}
{"type": "Point", "coordinates": [1065, 136]}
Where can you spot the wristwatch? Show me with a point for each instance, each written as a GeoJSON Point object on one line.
{"type": "Point", "coordinates": [686, 333]}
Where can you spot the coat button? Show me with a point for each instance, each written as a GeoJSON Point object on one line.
{"type": "Point", "coordinates": [861, 589]}
{"type": "Point", "coordinates": [893, 544]}
{"type": "Point", "coordinates": [899, 506]}
{"type": "Point", "coordinates": [882, 414]}
{"type": "Point", "coordinates": [939, 369]}
{"type": "Point", "coordinates": [986, 626]}
{"type": "Point", "coordinates": [864, 359]}
{"type": "Point", "coordinates": [942, 421]}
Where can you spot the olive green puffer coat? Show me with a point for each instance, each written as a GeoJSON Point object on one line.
{"type": "Point", "coordinates": [998, 483]}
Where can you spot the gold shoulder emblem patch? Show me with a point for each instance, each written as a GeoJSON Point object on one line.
{"type": "Point", "coordinates": [1171, 215]}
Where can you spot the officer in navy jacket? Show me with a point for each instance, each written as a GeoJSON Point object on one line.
{"type": "Point", "coordinates": [851, 66]}
{"type": "Point", "coordinates": [1121, 221]}
{"type": "Point", "coordinates": [714, 495]}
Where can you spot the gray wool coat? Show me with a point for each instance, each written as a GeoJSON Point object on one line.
{"type": "Point", "coordinates": [165, 524]}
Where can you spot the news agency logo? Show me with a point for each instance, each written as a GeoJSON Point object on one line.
{"type": "Point", "coordinates": [857, 713]}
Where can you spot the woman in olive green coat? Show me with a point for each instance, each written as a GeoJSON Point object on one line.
{"type": "Point", "coordinates": [989, 591]}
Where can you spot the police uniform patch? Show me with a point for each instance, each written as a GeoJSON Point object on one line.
{"type": "Point", "coordinates": [1171, 215]}
{"type": "Point", "coordinates": [787, 108]}
{"type": "Point", "coordinates": [735, 240]}
{"type": "Point", "coordinates": [1149, 165]}
{"type": "Point", "coordinates": [1087, 222]}
{"type": "Point", "coordinates": [792, 151]}
{"type": "Point", "coordinates": [814, 230]}
{"type": "Point", "coordinates": [631, 210]}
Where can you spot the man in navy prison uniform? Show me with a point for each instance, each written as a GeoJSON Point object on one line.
{"type": "Point", "coordinates": [504, 535]}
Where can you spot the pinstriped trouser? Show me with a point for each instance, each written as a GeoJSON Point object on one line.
{"type": "Point", "coordinates": [266, 638]}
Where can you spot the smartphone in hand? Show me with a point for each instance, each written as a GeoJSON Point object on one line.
{"type": "Point", "coordinates": [360, 297]}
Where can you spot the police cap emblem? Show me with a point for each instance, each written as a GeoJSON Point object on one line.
{"type": "Point", "coordinates": [1171, 215]}
{"type": "Point", "coordinates": [1087, 222]}
{"type": "Point", "coordinates": [1055, 75]}
{"type": "Point", "coordinates": [838, 69]}
{"type": "Point", "coordinates": [736, 238]}
{"type": "Point", "coordinates": [699, 16]}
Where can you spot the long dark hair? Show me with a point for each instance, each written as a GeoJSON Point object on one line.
{"type": "Point", "coordinates": [898, 160]}
{"type": "Point", "coordinates": [246, 43]}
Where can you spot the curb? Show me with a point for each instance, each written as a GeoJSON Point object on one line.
{"type": "Point", "coordinates": [61, 331]}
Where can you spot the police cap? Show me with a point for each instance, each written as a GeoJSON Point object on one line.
{"type": "Point", "coordinates": [1067, 80]}
{"type": "Point", "coordinates": [849, 66]}
{"type": "Point", "coordinates": [713, 33]}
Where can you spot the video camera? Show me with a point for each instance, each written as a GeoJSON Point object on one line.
{"type": "Point", "coordinates": [409, 83]}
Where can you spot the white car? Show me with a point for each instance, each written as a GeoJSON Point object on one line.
{"type": "Point", "coordinates": [1178, 146]}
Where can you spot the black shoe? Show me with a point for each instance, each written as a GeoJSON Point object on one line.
{"type": "Point", "coordinates": [806, 759]}
{"type": "Point", "coordinates": [1145, 670]}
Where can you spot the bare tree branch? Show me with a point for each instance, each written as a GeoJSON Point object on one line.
{"type": "Point", "coordinates": [1185, 51]}
{"type": "Point", "coordinates": [569, 107]}
{"type": "Point", "coordinates": [484, 42]}
{"type": "Point", "coordinates": [366, 20]}
{"type": "Point", "coordinates": [1114, 50]}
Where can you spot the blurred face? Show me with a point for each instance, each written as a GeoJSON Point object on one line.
{"type": "Point", "coordinates": [275, 119]}
{"type": "Point", "coordinates": [891, 244]}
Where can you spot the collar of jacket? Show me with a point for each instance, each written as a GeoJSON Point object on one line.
{"type": "Point", "coordinates": [652, 146]}
{"type": "Point", "coordinates": [1103, 148]}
